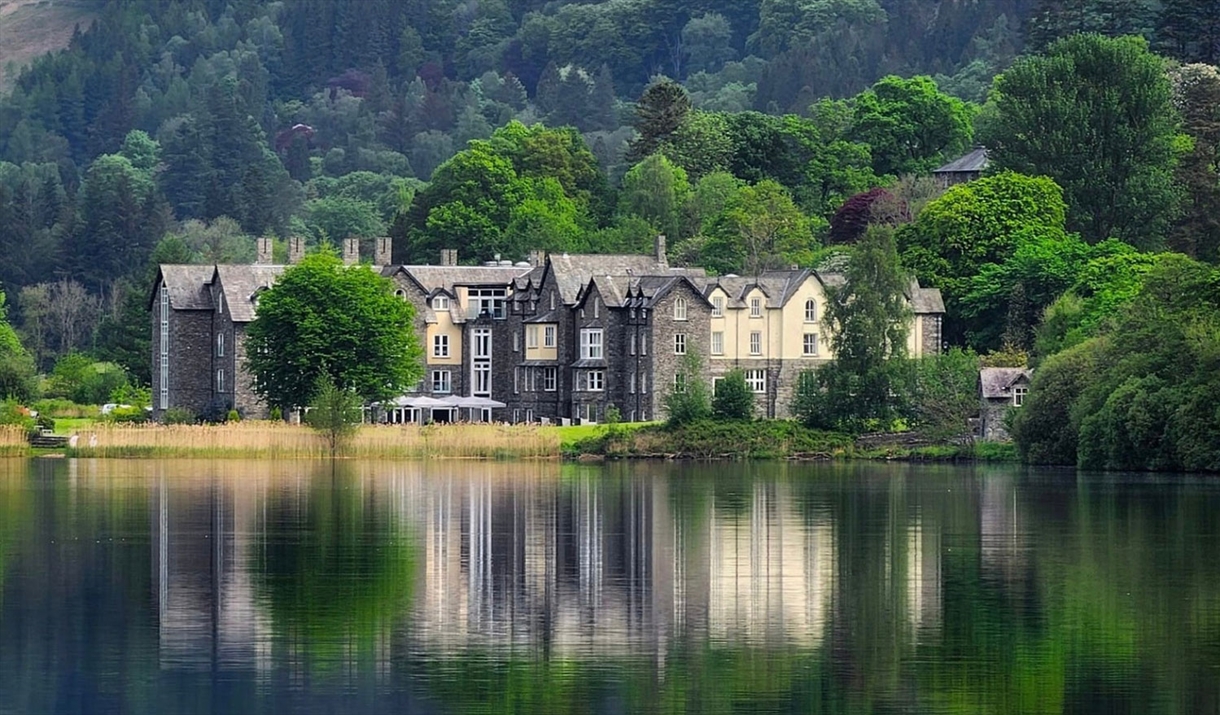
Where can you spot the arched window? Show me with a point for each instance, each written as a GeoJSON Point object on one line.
{"type": "Point", "coordinates": [401, 293]}
{"type": "Point", "coordinates": [220, 345]}
{"type": "Point", "coordinates": [811, 311]}
{"type": "Point", "coordinates": [680, 309]}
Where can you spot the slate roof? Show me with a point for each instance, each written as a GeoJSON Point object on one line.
{"type": "Point", "coordinates": [241, 283]}
{"type": "Point", "coordinates": [434, 277]}
{"type": "Point", "coordinates": [187, 286]}
{"type": "Point", "coordinates": [777, 286]}
{"type": "Point", "coordinates": [973, 162]}
{"type": "Point", "coordinates": [925, 301]}
{"type": "Point", "coordinates": [574, 271]}
{"type": "Point", "coordinates": [997, 382]}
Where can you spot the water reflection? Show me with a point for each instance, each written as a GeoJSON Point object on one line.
{"type": "Point", "coordinates": [260, 587]}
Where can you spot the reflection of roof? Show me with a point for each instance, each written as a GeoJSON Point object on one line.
{"type": "Point", "coordinates": [997, 382]}
{"type": "Point", "coordinates": [975, 161]}
{"type": "Point", "coordinates": [241, 283]}
{"type": "Point", "coordinates": [187, 286]}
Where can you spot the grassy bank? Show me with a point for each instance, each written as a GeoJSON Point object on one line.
{"type": "Point", "coordinates": [283, 441]}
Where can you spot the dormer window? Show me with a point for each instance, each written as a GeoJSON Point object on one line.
{"type": "Point", "coordinates": [440, 302]}
{"type": "Point", "coordinates": [811, 311]}
{"type": "Point", "coordinates": [718, 306]}
{"type": "Point", "coordinates": [680, 309]}
{"type": "Point", "coordinates": [756, 307]}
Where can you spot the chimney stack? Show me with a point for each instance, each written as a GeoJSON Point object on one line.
{"type": "Point", "coordinates": [382, 253]}
{"type": "Point", "coordinates": [351, 251]}
{"type": "Point", "coordinates": [448, 256]}
{"type": "Point", "coordinates": [296, 249]}
{"type": "Point", "coordinates": [660, 250]}
{"type": "Point", "coordinates": [537, 258]}
{"type": "Point", "coordinates": [264, 251]}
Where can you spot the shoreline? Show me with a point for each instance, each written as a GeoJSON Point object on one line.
{"type": "Point", "coordinates": [762, 440]}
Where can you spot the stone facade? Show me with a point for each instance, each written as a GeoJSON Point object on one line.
{"type": "Point", "coordinates": [1001, 390]}
{"type": "Point", "coordinates": [560, 338]}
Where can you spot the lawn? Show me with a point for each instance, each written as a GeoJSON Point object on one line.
{"type": "Point", "coordinates": [68, 425]}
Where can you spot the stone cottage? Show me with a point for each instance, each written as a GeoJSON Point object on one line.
{"type": "Point", "coordinates": [1000, 389]}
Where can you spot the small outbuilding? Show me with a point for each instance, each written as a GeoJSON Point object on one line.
{"type": "Point", "coordinates": [962, 169]}
{"type": "Point", "coordinates": [1000, 389]}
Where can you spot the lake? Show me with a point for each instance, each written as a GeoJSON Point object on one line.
{"type": "Point", "coordinates": [475, 587]}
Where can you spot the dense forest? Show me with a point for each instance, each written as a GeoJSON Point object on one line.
{"type": "Point", "coordinates": [753, 134]}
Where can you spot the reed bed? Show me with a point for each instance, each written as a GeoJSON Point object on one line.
{"type": "Point", "coordinates": [13, 442]}
{"type": "Point", "coordinates": [276, 440]}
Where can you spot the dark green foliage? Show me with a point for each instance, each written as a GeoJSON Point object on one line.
{"type": "Point", "coordinates": [733, 398]}
{"type": "Point", "coordinates": [910, 126]}
{"type": "Point", "coordinates": [322, 319]}
{"type": "Point", "coordinates": [1139, 395]}
{"type": "Point", "coordinates": [79, 378]}
{"type": "Point", "coordinates": [686, 400]}
{"type": "Point", "coordinates": [1196, 232]}
{"type": "Point", "coordinates": [18, 376]}
{"type": "Point", "coordinates": [1095, 115]}
{"type": "Point", "coordinates": [659, 112]}
{"type": "Point", "coordinates": [945, 395]}
{"type": "Point", "coordinates": [868, 318]}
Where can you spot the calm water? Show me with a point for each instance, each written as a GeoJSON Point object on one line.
{"type": "Point", "coordinates": [263, 587]}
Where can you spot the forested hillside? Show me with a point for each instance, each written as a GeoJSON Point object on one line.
{"type": "Point", "coordinates": [178, 130]}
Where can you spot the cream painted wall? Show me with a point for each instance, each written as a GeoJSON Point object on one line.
{"type": "Point", "coordinates": [541, 352]}
{"type": "Point", "coordinates": [444, 326]}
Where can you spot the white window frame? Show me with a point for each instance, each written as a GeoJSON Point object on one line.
{"type": "Point", "coordinates": [679, 343]}
{"type": "Point", "coordinates": [644, 344]}
{"type": "Point", "coordinates": [809, 344]}
{"type": "Point", "coordinates": [595, 380]}
{"type": "Point", "coordinates": [718, 342]}
{"type": "Point", "coordinates": [531, 337]}
{"type": "Point", "coordinates": [550, 379]}
{"type": "Point", "coordinates": [756, 342]}
{"type": "Point", "coordinates": [592, 344]}
{"type": "Point", "coordinates": [482, 342]}
{"type": "Point", "coordinates": [220, 380]}
{"type": "Point", "coordinates": [482, 378]}
{"type": "Point", "coordinates": [220, 344]}
{"type": "Point", "coordinates": [631, 383]}
{"type": "Point", "coordinates": [756, 307]}
{"type": "Point", "coordinates": [516, 341]}
{"type": "Point", "coordinates": [440, 345]}
{"type": "Point", "coordinates": [442, 382]}
{"type": "Point", "coordinates": [679, 382]}
{"type": "Point", "coordinates": [718, 306]}
{"type": "Point", "coordinates": [548, 334]}
{"type": "Point", "coordinates": [631, 345]}
{"type": "Point", "coordinates": [440, 302]}
{"type": "Point", "coordinates": [1019, 393]}
{"type": "Point", "coordinates": [756, 380]}
{"type": "Point", "coordinates": [164, 366]}
{"type": "Point", "coordinates": [597, 307]}
{"type": "Point", "coordinates": [680, 309]}
{"type": "Point", "coordinates": [811, 311]}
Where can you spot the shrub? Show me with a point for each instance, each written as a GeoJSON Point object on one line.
{"type": "Point", "coordinates": [178, 416]}
{"type": "Point", "coordinates": [77, 377]}
{"type": "Point", "coordinates": [233, 416]}
{"type": "Point", "coordinates": [687, 399]}
{"type": "Point", "coordinates": [13, 413]}
{"type": "Point", "coordinates": [733, 399]}
{"type": "Point", "coordinates": [128, 415]}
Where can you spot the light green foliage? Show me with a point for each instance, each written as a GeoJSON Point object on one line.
{"type": "Point", "coordinates": [1140, 395]}
{"type": "Point", "coordinates": [324, 319]}
{"type": "Point", "coordinates": [760, 228]}
{"type": "Point", "coordinates": [867, 318]}
{"type": "Point", "coordinates": [687, 400]}
{"type": "Point", "coordinates": [335, 413]}
{"type": "Point", "coordinates": [973, 225]}
{"type": "Point", "coordinates": [221, 240]}
{"type": "Point", "coordinates": [945, 395]}
{"type": "Point", "coordinates": [655, 190]}
{"type": "Point", "coordinates": [79, 378]}
{"type": "Point", "coordinates": [910, 126]}
{"type": "Point", "coordinates": [337, 217]}
{"type": "Point", "coordinates": [733, 398]}
{"type": "Point", "coordinates": [1094, 114]}
{"type": "Point", "coordinates": [141, 150]}
{"type": "Point", "coordinates": [18, 378]}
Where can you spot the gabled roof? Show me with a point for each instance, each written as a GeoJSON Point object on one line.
{"type": "Point", "coordinates": [925, 301]}
{"type": "Point", "coordinates": [429, 278]}
{"type": "Point", "coordinates": [997, 382]}
{"type": "Point", "coordinates": [973, 162]}
{"type": "Point", "coordinates": [241, 284]}
{"type": "Point", "coordinates": [187, 286]}
{"type": "Point", "coordinates": [571, 272]}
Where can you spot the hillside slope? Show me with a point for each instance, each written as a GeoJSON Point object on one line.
{"type": "Point", "coordinates": [28, 28]}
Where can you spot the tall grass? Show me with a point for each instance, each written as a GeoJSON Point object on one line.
{"type": "Point", "coordinates": [12, 441]}
{"type": "Point", "coordinates": [278, 440]}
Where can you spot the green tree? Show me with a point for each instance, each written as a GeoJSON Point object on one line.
{"type": "Point", "coordinates": [1096, 115]}
{"type": "Point", "coordinates": [655, 190]}
{"type": "Point", "coordinates": [335, 413]}
{"type": "Point", "coordinates": [120, 221]}
{"type": "Point", "coordinates": [759, 229]}
{"type": "Point", "coordinates": [337, 217]}
{"type": "Point", "coordinates": [1196, 232]}
{"type": "Point", "coordinates": [323, 319]}
{"type": "Point", "coordinates": [686, 400]}
{"type": "Point", "coordinates": [910, 125]}
{"type": "Point", "coordinates": [1190, 30]}
{"type": "Point", "coordinates": [733, 398]}
{"type": "Point", "coordinates": [973, 225]}
{"type": "Point", "coordinates": [18, 375]}
{"type": "Point", "coordinates": [867, 318]}
{"type": "Point", "coordinates": [661, 109]}
{"type": "Point", "coordinates": [945, 395]}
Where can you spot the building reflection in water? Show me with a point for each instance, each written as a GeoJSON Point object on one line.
{"type": "Point", "coordinates": [573, 563]}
